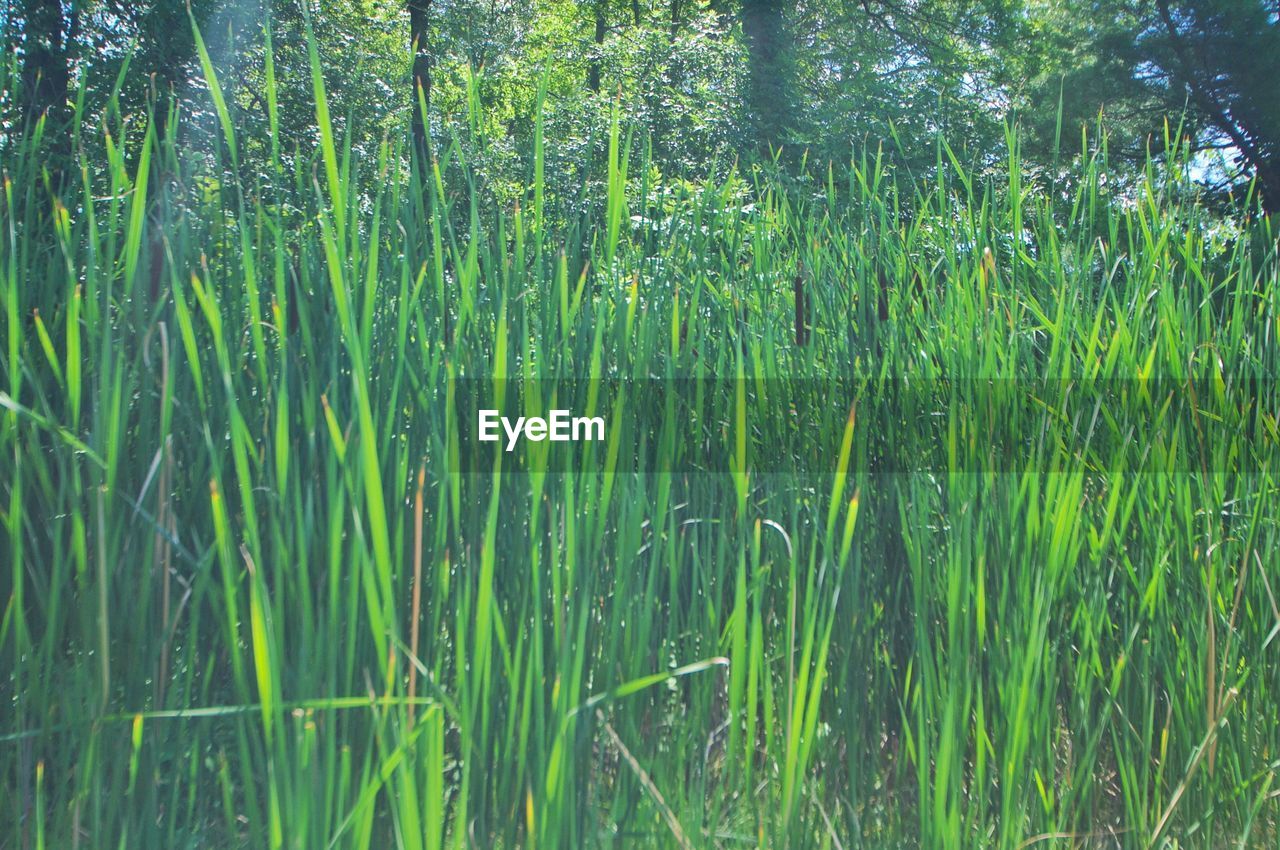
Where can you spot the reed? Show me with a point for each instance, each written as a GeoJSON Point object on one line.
{"type": "Point", "coordinates": [260, 591]}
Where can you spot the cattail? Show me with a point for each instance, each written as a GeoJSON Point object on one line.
{"type": "Point", "coordinates": [156, 277]}
{"type": "Point", "coordinates": [882, 296]}
{"type": "Point", "coordinates": [802, 310]}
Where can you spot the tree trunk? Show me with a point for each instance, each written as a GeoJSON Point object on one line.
{"type": "Point", "coordinates": [46, 77]}
{"type": "Point", "coordinates": [419, 34]}
{"type": "Point", "coordinates": [1269, 183]}
{"type": "Point", "coordinates": [593, 69]}
{"type": "Point", "coordinates": [764, 25]}
{"type": "Point", "coordinates": [663, 126]}
{"type": "Point", "coordinates": [167, 29]}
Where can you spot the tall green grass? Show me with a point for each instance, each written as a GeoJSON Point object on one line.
{"type": "Point", "coordinates": [260, 592]}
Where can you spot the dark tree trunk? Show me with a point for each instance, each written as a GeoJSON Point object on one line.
{"type": "Point", "coordinates": [764, 25]}
{"type": "Point", "coordinates": [1269, 184]}
{"type": "Point", "coordinates": [167, 30]}
{"type": "Point", "coordinates": [593, 69]}
{"type": "Point", "coordinates": [419, 34]}
{"type": "Point", "coordinates": [46, 77]}
{"type": "Point", "coordinates": [46, 72]}
{"type": "Point", "coordinates": [663, 128]}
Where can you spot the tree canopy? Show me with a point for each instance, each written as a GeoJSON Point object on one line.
{"type": "Point", "coordinates": [701, 82]}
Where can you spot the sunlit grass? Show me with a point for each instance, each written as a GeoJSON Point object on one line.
{"type": "Point", "coordinates": [261, 592]}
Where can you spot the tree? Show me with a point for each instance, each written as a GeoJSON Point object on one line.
{"type": "Point", "coordinates": [46, 69]}
{"type": "Point", "coordinates": [1207, 66]}
{"type": "Point", "coordinates": [166, 50]}
{"type": "Point", "coordinates": [420, 39]}
{"type": "Point", "coordinates": [49, 34]}
{"type": "Point", "coordinates": [1226, 55]}
{"type": "Point", "coordinates": [769, 91]}
{"type": "Point", "coordinates": [898, 72]}
{"type": "Point", "coordinates": [600, 12]}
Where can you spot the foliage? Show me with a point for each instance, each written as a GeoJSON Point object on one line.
{"type": "Point", "coordinates": [705, 82]}
{"type": "Point", "coordinates": [1204, 65]}
{"type": "Point", "coordinates": [256, 593]}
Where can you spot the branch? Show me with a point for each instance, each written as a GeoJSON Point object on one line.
{"type": "Point", "coordinates": [1216, 111]}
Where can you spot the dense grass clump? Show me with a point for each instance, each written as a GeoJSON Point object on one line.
{"type": "Point", "coordinates": [1010, 581]}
